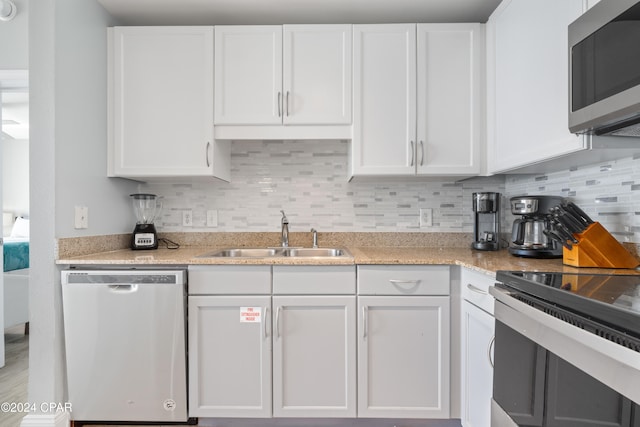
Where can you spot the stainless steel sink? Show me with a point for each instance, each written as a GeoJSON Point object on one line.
{"type": "Point", "coordinates": [277, 252]}
{"type": "Point", "coordinates": [243, 253]}
{"type": "Point", "coordinates": [315, 252]}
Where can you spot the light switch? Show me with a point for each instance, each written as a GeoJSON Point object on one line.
{"type": "Point", "coordinates": [212, 218]}
{"type": "Point", "coordinates": [81, 219]}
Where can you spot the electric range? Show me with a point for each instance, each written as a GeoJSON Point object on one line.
{"type": "Point", "coordinates": [606, 305]}
{"type": "Point", "coordinates": [543, 319]}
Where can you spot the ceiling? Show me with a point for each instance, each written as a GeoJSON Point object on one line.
{"type": "Point", "coordinates": [14, 99]}
{"type": "Point", "coordinates": [254, 12]}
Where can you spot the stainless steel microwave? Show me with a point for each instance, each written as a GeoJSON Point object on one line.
{"type": "Point", "coordinates": [604, 70]}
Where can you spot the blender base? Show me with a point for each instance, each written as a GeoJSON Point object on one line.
{"type": "Point", "coordinates": [144, 237]}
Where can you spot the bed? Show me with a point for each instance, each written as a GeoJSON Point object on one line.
{"type": "Point", "coordinates": [16, 275]}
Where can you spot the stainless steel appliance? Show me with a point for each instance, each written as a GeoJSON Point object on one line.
{"type": "Point", "coordinates": [567, 349]}
{"type": "Point", "coordinates": [604, 69]}
{"type": "Point", "coordinates": [486, 225]}
{"type": "Point", "coordinates": [146, 208]}
{"type": "Point", "coordinates": [125, 344]}
{"type": "Point", "coordinates": [528, 237]}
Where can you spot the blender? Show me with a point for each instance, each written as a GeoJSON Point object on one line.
{"type": "Point", "coordinates": [146, 209]}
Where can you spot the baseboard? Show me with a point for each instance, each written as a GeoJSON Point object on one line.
{"type": "Point", "coordinates": [59, 419]}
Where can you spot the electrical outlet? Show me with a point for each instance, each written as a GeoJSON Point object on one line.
{"type": "Point", "coordinates": [187, 218]}
{"type": "Point", "coordinates": [212, 218]}
{"type": "Point", "coordinates": [426, 217]}
{"type": "Point", "coordinates": [81, 219]}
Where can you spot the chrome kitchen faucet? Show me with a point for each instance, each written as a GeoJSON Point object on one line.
{"type": "Point", "coordinates": [285, 230]}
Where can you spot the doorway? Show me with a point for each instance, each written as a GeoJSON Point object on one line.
{"type": "Point", "coordinates": [14, 199]}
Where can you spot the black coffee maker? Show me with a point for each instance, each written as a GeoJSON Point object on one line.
{"type": "Point", "coordinates": [528, 238]}
{"type": "Point", "coordinates": [486, 224]}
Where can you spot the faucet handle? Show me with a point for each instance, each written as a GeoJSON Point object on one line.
{"type": "Point", "coordinates": [284, 218]}
{"type": "Point", "coordinates": [315, 237]}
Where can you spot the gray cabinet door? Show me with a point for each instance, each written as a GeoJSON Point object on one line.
{"type": "Point", "coordinates": [519, 376]}
{"type": "Point", "coordinates": [229, 356]}
{"type": "Point", "coordinates": [575, 399]}
{"type": "Point", "coordinates": [314, 356]}
{"type": "Point", "coordinates": [403, 357]}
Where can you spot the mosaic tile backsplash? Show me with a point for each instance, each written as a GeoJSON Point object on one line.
{"type": "Point", "coordinates": [309, 180]}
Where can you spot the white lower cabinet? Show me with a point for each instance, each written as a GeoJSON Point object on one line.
{"type": "Point", "coordinates": [314, 347]}
{"type": "Point", "coordinates": [229, 356]}
{"type": "Point", "coordinates": [403, 342]}
{"type": "Point", "coordinates": [229, 350]}
{"type": "Point", "coordinates": [254, 355]}
{"type": "Point", "coordinates": [297, 341]}
{"type": "Point", "coordinates": [477, 340]}
{"type": "Point", "coordinates": [314, 356]}
{"type": "Point", "coordinates": [477, 366]}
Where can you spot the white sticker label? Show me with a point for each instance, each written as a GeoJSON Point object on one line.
{"type": "Point", "coordinates": [250, 314]}
{"type": "Point", "coordinates": [169, 405]}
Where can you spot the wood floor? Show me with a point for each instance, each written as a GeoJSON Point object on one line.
{"type": "Point", "coordinates": [15, 373]}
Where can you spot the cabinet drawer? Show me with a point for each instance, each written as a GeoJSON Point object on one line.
{"type": "Point", "coordinates": [308, 279]}
{"type": "Point", "coordinates": [403, 280]}
{"type": "Point", "coordinates": [229, 279]}
{"type": "Point", "coordinates": [474, 287]}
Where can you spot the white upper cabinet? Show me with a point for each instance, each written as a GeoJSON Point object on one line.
{"type": "Point", "coordinates": [161, 104]}
{"type": "Point", "coordinates": [417, 99]}
{"type": "Point", "coordinates": [317, 74]}
{"type": "Point", "coordinates": [450, 102]}
{"type": "Point", "coordinates": [292, 74]}
{"type": "Point", "coordinates": [528, 83]}
{"type": "Point", "coordinates": [248, 74]}
{"type": "Point", "coordinates": [384, 98]}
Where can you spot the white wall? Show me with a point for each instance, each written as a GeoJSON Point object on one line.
{"type": "Point", "coordinates": [14, 39]}
{"type": "Point", "coordinates": [81, 127]}
{"type": "Point", "coordinates": [67, 58]}
{"type": "Point", "coordinates": [15, 177]}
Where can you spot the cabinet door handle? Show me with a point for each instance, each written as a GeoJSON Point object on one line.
{"type": "Point", "coordinates": [266, 316]}
{"type": "Point", "coordinates": [413, 154]}
{"type": "Point", "coordinates": [287, 103]}
{"type": "Point", "coordinates": [365, 326]}
{"type": "Point", "coordinates": [278, 322]}
{"type": "Point", "coordinates": [279, 104]}
{"type": "Point", "coordinates": [491, 344]}
{"type": "Point", "coordinates": [206, 153]}
{"type": "Point", "coordinates": [421, 153]}
{"type": "Point", "coordinates": [476, 289]}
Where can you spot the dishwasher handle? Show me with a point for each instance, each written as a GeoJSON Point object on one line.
{"type": "Point", "coordinates": [124, 288]}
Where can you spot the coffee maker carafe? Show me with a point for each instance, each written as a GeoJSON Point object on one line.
{"type": "Point", "coordinates": [528, 238]}
{"type": "Point", "coordinates": [486, 224]}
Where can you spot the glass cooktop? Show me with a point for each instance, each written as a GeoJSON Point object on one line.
{"type": "Point", "coordinates": [610, 299]}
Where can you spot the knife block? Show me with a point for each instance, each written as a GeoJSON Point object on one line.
{"type": "Point", "coordinates": [596, 247]}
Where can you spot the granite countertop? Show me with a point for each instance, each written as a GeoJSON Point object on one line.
{"type": "Point", "coordinates": [482, 261]}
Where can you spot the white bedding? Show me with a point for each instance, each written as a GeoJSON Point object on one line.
{"type": "Point", "coordinates": [16, 283]}
{"type": "Point", "coordinates": [10, 239]}
{"type": "Point", "coordinates": [16, 297]}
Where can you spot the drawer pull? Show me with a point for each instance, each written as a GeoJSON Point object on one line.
{"type": "Point", "coordinates": [404, 282]}
{"type": "Point", "coordinates": [476, 289]}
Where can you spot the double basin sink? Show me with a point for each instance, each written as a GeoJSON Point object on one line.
{"type": "Point", "coordinates": [277, 253]}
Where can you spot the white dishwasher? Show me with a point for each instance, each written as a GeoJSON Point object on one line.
{"type": "Point", "coordinates": [125, 344]}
